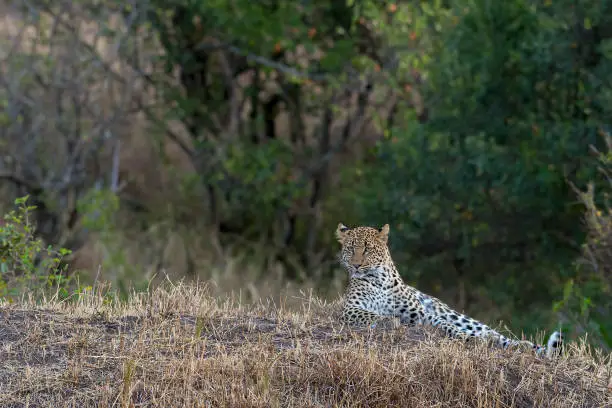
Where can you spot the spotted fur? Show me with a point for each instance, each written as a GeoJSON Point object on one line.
{"type": "Point", "coordinates": [376, 289]}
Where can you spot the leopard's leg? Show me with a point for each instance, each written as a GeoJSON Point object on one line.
{"type": "Point", "coordinates": [356, 316]}
{"type": "Point", "coordinates": [449, 329]}
{"type": "Point", "coordinates": [465, 328]}
{"type": "Point", "coordinates": [552, 348]}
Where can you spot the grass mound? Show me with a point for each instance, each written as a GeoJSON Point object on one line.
{"type": "Point", "coordinates": [179, 347]}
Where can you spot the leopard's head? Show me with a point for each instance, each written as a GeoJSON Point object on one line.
{"type": "Point", "coordinates": [364, 249]}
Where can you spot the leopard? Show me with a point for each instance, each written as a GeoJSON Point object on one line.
{"type": "Point", "coordinates": [376, 291]}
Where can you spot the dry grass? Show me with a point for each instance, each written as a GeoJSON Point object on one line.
{"type": "Point", "coordinates": [179, 347]}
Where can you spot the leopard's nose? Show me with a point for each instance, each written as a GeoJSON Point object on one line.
{"type": "Point", "coordinates": [356, 266]}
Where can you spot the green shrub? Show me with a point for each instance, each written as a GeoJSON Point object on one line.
{"type": "Point", "coordinates": [25, 264]}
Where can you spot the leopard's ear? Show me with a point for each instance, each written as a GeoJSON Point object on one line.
{"type": "Point", "coordinates": [383, 234]}
{"type": "Point", "coordinates": [341, 232]}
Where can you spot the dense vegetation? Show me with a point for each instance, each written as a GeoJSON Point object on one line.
{"type": "Point", "coordinates": [479, 131]}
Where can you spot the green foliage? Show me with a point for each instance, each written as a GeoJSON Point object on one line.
{"type": "Point", "coordinates": [263, 177]}
{"type": "Point", "coordinates": [25, 264]}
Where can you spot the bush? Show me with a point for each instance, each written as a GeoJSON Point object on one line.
{"type": "Point", "coordinates": [25, 264]}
